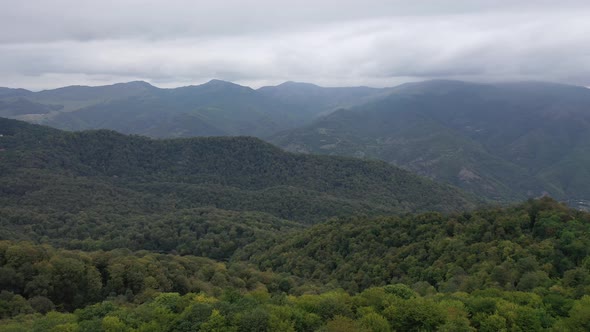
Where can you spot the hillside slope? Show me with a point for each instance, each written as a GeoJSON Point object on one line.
{"type": "Point", "coordinates": [534, 244]}
{"type": "Point", "coordinates": [214, 108]}
{"type": "Point", "coordinates": [501, 141]}
{"type": "Point", "coordinates": [312, 100]}
{"type": "Point", "coordinates": [242, 174]}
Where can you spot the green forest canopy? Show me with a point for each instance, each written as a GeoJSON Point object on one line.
{"type": "Point", "coordinates": [519, 268]}
{"type": "Point", "coordinates": [87, 244]}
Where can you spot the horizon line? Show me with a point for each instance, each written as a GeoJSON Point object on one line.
{"type": "Point", "coordinates": [214, 80]}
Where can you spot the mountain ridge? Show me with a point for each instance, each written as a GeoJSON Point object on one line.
{"type": "Point", "coordinates": [235, 173]}
{"type": "Point", "coordinates": [504, 141]}
{"type": "Point", "coordinates": [513, 133]}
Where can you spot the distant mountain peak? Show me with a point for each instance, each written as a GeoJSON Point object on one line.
{"type": "Point", "coordinates": [7, 92]}
{"type": "Point", "coordinates": [437, 83]}
{"type": "Point", "coordinates": [218, 81]}
{"type": "Point", "coordinates": [218, 84]}
{"type": "Point", "coordinates": [13, 89]}
{"type": "Point", "coordinates": [298, 84]}
{"type": "Point", "coordinates": [137, 84]}
{"type": "Point", "coordinates": [108, 87]}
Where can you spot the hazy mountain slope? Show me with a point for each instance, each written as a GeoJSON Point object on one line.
{"type": "Point", "coordinates": [73, 98]}
{"type": "Point", "coordinates": [412, 140]}
{"type": "Point", "coordinates": [313, 100]}
{"type": "Point", "coordinates": [213, 108]}
{"type": "Point", "coordinates": [497, 140]}
{"type": "Point", "coordinates": [531, 124]}
{"type": "Point", "coordinates": [106, 92]}
{"type": "Point", "coordinates": [9, 92]}
{"type": "Point", "coordinates": [230, 173]}
{"type": "Point", "coordinates": [137, 115]}
{"type": "Point", "coordinates": [21, 106]}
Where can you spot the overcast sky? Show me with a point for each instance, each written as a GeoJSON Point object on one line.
{"type": "Point", "coordinates": [47, 44]}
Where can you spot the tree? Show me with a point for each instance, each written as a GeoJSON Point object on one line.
{"type": "Point", "coordinates": [374, 322]}
{"type": "Point", "coordinates": [578, 319]}
{"type": "Point", "coordinates": [342, 324]}
{"type": "Point", "coordinates": [113, 324]}
{"type": "Point", "coordinates": [217, 323]}
{"type": "Point", "coordinates": [417, 314]}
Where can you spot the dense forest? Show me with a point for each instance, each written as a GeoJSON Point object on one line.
{"type": "Point", "coordinates": [521, 268]}
{"type": "Point", "coordinates": [536, 245]}
{"type": "Point", "coordinates": [136, 174]}
{"type": "Point", "coordinates": [105, 232]}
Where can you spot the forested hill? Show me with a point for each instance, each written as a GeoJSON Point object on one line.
{"type": "Point", "coordinates": [539, 244]}
{"type": "Point", "coordinates": [522, 268]}
{"type": "Point", "coordinates": [504, 141]}
{"type": "Point", "coordinates": [245, 174]}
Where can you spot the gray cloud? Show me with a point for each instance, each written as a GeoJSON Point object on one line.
{"type": "Point", "coordinates": [380, 43]}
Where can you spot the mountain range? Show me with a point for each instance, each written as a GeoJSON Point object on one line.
{"type": "Point", "coordinates": [216, 108]}
{"type": "Point", "coordinates": [500, 141]}
{"type": "Point", "coordinates": [105, 231]}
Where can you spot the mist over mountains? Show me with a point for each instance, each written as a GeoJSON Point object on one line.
{"type": "Point", "coordinates": [216, 108]}
{"type": "Point", "coordinates": [502, 141]}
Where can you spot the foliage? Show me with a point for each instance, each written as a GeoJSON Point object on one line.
{"type": "Point", "coordinates": [47, 170]}
{"type": "Point", "coordinates": [250, 312]}
{"type": "Point", "coordinates": [105, 232]}
{"type": "Point", "coordinates": [538, 245]}
{"type": "Point", "coordinates": [40, 278]}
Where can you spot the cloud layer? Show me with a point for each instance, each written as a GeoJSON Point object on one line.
{"type": "Point", "coordinates": [335, 43]}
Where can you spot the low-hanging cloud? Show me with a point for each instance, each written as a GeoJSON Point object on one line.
{"type": "Point", "coordinates": [380, 43]}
